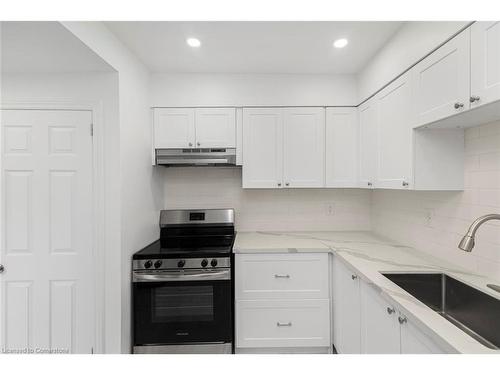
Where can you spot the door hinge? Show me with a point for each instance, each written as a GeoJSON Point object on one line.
{"type": "Point", "coordinates": [91, 130]}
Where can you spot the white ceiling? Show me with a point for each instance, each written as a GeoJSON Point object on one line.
{"type": "Point", "coordinates": [45, 47]}
{"type": "Point", "coordinates": [254, 47]}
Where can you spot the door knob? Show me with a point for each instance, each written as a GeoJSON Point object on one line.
{"type": "Point", "coordinates": [459, 105]}
{"type": "Point", "coordinates": [190, 144]}
{"type": "Point", "coordinates": [405, 183]}
{"type": "Point", "coordinates": [198, 144]}
{"type": "Point", "coordinates": [390, 310]}
{"type": "Point", "coordinates": [287, 184]}
{"type": "Point", "coordinates": [402, 319]}
{"type": "Point", "coordinates": [2, 268]}
{"type": "Point", "coordinates": [474, 98]}
{"type": "Point", "coordinates": [279, 183]}
{"type": "Point", "coordinates": [354, 277]}
{"type": "Point", "coordinates": [369, 184]}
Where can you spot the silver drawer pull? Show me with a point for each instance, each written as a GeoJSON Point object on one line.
{"type": "Point", "coordinates": [281, 276]}
{"type": "Point", "coordinates": [289, 324]}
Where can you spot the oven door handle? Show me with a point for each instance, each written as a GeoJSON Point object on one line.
{"type": "Point", "coordinates": [141, 277]}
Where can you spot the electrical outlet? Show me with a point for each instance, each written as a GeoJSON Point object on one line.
{"type": "Point", "coordinates": [330, 209]}
{"type": "Point", "coordinates": [429, 217]}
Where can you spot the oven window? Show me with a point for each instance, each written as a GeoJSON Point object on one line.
{"type": "Point", "coordinates": [182, 304]}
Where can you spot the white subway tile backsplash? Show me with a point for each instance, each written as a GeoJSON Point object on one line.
{"type": "Point", "coordinates": [395, 214]}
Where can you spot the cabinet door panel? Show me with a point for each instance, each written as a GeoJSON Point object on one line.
{"type": "Point", "coordinates": [413, 341]}
{"type": "Point", "coordinates": [394, 170]}
{"type": "Point", "coordinates": [304, 147]}
{"type": "Point", "coordinates": [215, 127]}
{"type": "Point", "coordinates": [262, 147]}
{"type": "Point", "coordinates": [380, 331]}
{"type": "Point", "coordinates": [341, 147]}
{"type": "Point", "coordinates": [485, 62]}
{"type": "Point", "coordinates": [174, 127]}
{"type": "Point", "coordinates": [441, 80]}
{"type": "Point", "coordinates": [367, 144]}
{"type": "Point", "coordinates": [346, 310]}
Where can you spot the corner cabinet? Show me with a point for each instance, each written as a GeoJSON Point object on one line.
{"type": "Point", "coordinates": [283, 147]}
{"type": "Point", "coordinates": [364, 322]}
{"type": "Point", "coordinates": [194, 127]}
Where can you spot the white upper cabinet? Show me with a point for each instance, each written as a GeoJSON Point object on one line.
{"type": "Point", "coordinates": [304, 147]}
{"type": "Point", "coordinates": [367, 144]}
{"type": "Point", "coordinates": [174, 127]}
{"type": "Point", "coordinates": [485, 63]}
{"type": "Point", "coordinates": [262, 147]}
{"type": "Point", "coordinates": [394, 149]}
{"type": "Point", "coordinates": [441, 81]}
{"type": "Point", "coordinates": [194, 127]}
{"type": "Point", "coordinates": [215, 127]}
{"type": "Point", "coordinates": [341, 161]}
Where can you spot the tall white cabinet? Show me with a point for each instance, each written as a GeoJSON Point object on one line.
{"type": "Point", "coordinates": [368, 130]}
{"type": "Point", "coordinates": [283, 147]}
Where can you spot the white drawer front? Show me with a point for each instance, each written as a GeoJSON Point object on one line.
{"type": "Point", "coordinates": [287, 276]}
{"type": "Point", "coordinates": [283, 323]}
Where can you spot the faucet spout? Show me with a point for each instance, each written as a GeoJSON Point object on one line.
{"type": "Point", "coordinates": [468, 241]}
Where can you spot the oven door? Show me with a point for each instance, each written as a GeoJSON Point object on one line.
{"type": "Point", "coordinates": [192, 306]}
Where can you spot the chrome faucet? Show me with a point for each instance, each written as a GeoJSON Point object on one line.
{"type": "Point", "coordinates": [467, 243]}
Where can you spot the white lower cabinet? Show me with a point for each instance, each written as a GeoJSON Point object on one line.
{"type": "Point", "coordinates": [282, 302]}
{"type": "Point", "coordinates": [365, 322]}
{"type": "Point", "coordinates": [283, 323]}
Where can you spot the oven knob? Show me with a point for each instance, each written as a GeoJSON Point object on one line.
{"type": "Point", "coordinates": [213, 263]}
{"type": "Point", "coordinates": [204, 263]}
{"type": "Point", "coordinates": [181, 263]}
{"type": "Point", "coordinates": [148, 264]}
{"type": "Point", "coordinates": [158, 263]}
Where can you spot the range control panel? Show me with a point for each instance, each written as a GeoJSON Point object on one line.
{"type": "Point", "coordinates": [188, 263]}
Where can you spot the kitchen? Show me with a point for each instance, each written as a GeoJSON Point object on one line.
{"type": "Point", "coordinates": [277, 197]}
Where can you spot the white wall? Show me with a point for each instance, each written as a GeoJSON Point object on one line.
{"type": "Point", "coordinates": [266, 209]}
{"type": "Point", "coordinates": [141, 189]}
{"type": "Point", "coordinates": [401, 215]}
{"type": "Point", "coordinates": [252, 89]}
{"type": "Point", "coordinates": [100, 89]}
{"type": "Point", "coordinates": [413, 41]}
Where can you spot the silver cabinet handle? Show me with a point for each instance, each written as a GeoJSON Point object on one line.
{"type": "Point", "coordinates": [287, 183]}
{"type": "Point", "coordinates": [276, 276]}
{"type": "Point", "coordinates": [474, 98]}
{"type": "Point", "coordinates": [459, 105]}
{"type": "Point", "coordinates": [402, 319]}
{"type": "Point", "coordinates": [369, 183]}
{"type": "Point", "coordinates": [199, 144]}
{"type": "Point", "coordinates": [390, 310]}
{"type": "Point", "coordinates": [2, 268]}
{"type": "Point", "coordinates": [279, 183]}
{"type": "Point", "coordinates": [190, 144]}
{"type": "Point", "coordinates": [289, 324]}
{"type": "Point", "coordinates": [354, 277]}
{"type": "Point", "coordinates": [404, 183]}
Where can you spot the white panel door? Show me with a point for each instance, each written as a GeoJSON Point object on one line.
{"type": "Point", "coordinates": [414, 341]}
{"type": "Point", "coordinates": [485, 63]}
{"type": "Point", "coordinates": [304, 147]}
{"type": "Point", "coordinates": [395, 136]}
{"type": "Point", "coordinates": [379, 323]}
{"type": "Point", "coordinates": [46, 290]}
{"type": "Point", "coordinates": [441, 81]}
{"type": "Point", "coordinates": [174, 127]}
{"type": "Point", "coordinates": [367, 144]}
{"type": "Point", "coordinates": [215, 127]}
{"type": "Point", "coordinates": [341, 147]}
{"type": "Point", "coordinates": [346, 310]}
{"type": "Point", "coordinates": [262, 148]}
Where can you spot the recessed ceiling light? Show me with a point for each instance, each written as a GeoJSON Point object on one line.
{"type": "Point", "coordinates": [340, 43]}
{"type": "Point", "coordinates": [193, 42]}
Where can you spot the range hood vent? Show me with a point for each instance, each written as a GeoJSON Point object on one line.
{"type": "Point", "coordinates": [182, 157]}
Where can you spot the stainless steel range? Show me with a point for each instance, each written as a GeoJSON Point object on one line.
{"type": "Point", "coordinates": [183, 285]}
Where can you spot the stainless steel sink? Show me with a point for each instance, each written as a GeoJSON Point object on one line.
{"type": "Point", "coordinates": [474, 312]}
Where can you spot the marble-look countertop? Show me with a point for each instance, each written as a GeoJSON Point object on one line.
{"type": "Point", "coordinates": [368, 255]}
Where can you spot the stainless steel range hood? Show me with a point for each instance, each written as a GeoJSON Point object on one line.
{"type": "Point", "coordinates": [180, 157]}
